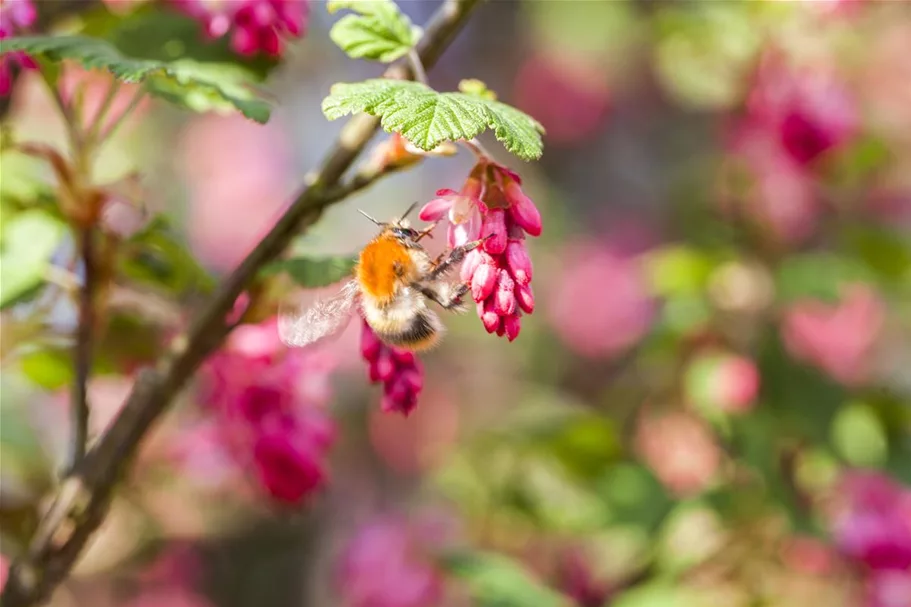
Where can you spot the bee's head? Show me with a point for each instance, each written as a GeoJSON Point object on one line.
{"type": "Point", "coordinates": [399, 228]}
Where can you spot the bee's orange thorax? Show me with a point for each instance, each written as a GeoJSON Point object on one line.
{"type": "Point", "coordinates": [383, 265]}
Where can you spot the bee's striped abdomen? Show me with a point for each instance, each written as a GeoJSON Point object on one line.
{"type": "Point", "coordinates": [421, 333]}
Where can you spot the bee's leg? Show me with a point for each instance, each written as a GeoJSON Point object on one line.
{"type": "Point", "coordinates": [448, 296]}
{"type": "Point", "coordinates": [456, 255]}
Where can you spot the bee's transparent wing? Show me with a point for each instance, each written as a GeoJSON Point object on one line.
{"type": "Point", "coordinates": [325, 317]}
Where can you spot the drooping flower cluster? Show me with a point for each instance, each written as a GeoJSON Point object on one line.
{"type": "Point", "coordinates": [399, 371]}
{"type": "Point", "coordinates": [269, 404]}
{"type": "Point", "coordinates": [386, 565]}
{"type": "Point", "coordinates": [492, 206]}
{"type": "Point", "coordinates": [874, 528]}
{"type": "Point", "coordinates": [15, 16]}
{"type": "Point", "coordinates": [254, 25]}
{"type": "Point", "coordinates": [839, 339]}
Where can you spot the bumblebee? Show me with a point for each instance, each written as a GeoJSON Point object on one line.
{"type": "Point", "coordinates": [394, 280]}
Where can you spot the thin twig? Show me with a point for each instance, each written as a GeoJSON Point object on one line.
{"type": "Point", "coordinates": [82, 350]}
{"type": "Point", "coordinates": [98, 120]}
{"type": "Point", "coordinates": [417, 67]}
{"type": "Point", "coordinates": [80, 505]}
{"type": "Point", "coordinates": [475, 147]}
{"type": "Point", "coordinates": [111, 129]}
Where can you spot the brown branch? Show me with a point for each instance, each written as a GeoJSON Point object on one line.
{"type": "Point", "coordinates": [84, 496]}
{"type": "Point", "coordinates": [82, 351]}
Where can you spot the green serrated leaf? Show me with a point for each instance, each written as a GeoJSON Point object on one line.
{"type": "Point", "coordinates": [380, 32]}
{"type": "Point", "coordinates": [313, 273]}
{"type": "Point", "coordinates": [29, 240]}
{"type": "Point", "coordinates": [497, 581]}
{"type": "Point", "coordinates": [199, 87]}
{"type": "Point", "coordinates": [427, 118]}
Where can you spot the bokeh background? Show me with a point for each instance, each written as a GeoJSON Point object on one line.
{"type": "Point", "coordinates": [709, 405]}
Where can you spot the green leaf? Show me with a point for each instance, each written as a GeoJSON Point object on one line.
{"type": "Point", "coordinates": [50, 369]}
{"type": "Point", "coordinates": [427, 118]}
{"type": "Point", "coordinates": [153, 31]}
{"type": "Point", "coordinates": [381, 32]}
{"type": "Point", "coordinates": [313, 273]}
{"type": "Point", "coordinates": [29, 240]}
{"type": "Point", "coordinates": [157, 256]}
{"type": "Point", "coordinates": [497, 581]}
{"type": "Point", "coordinates": [196, 86]}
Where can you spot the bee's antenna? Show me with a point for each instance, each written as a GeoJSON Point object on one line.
{"type": "Point", "coordinates": [407, 212]}
{"type": "Point", "coordinates": [379, 223]}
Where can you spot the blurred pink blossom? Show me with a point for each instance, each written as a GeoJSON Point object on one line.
{"type": "Point", "coordinates": [268, 401]}
{"type": "Point", "coordinates": [889, 588]}
{"type": "Point", "coordinates": [387, 564]}
{"type": "Point", "coordinates": [400, 372]}
{"type": "Point", "coordinates": [680, 449]}
{"type": "Point", "coordinates": [809, 109]}
{"type": "Point", "coordinates": [599, 305]}
{"type": "Point", "coordinates": [722, 381]}
{"type": "Point", "coordinates": [874, 524]}
{"type": "Point", "coordinates": [492, 206]}
{"type": "Point", "coordinates": [839, 338]}
{"type": "Point", "coordinates": [781, 195]}
{"type": "Point", "coordinates": [168, 597]}
{"type": "Point", "coordinates": [255, 25]}
{"type": "Point", "coordinates": [238, 175]}
{"type": "Point", "coordinates": [16, 16]}
{"type": "Point", "coordinates": [579, 582]}
{"type": "Point", "coordinates": [568, 95]}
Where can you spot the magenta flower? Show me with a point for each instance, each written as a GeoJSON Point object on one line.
{"type": "Point", "coordinates": [874, 526]}
{"type": "Point", "coordinates": [399, 371]}
{"type": "Point", "coordinates": [810, 111]}
{"type": "Point", "coordinates": [600, 306]}
{"type": "Point", "coordinates": [839, 339]}
{"type": "Point", "coordinates": [385, 565]}
{"type": "Point", "coordinates": [889, 588]}
{"type": "Point", "coordinates": [491, 205]}
{"type": "Point", "coordinates": [255, 25]}
{"type": "Point", "coordinates": [268, 402]}
{"type": "Point", "coordinates": [578, 580]}
{"type": "Point", "coordinates": [15, 17]}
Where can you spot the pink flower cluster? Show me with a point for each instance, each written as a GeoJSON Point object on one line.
{"type": "Point", "coordinates": [255, 25]}
{"type": "Point", "coordinates": [399, 371]}
{"type": "Point", "coordinates": [492, 206]}
{"type": "Point", "coordinates": [386, 565]}
{"type": "Point", "coordinates": [839, 338]}
{"type": "Point", "coordinates": [794, 117]}
{"type": "Point", "coordinates": [269, 404]}
{"type": "Point", "coordinates": [15, 16]}
{"type": "Point", "coordinates": [874, 528]}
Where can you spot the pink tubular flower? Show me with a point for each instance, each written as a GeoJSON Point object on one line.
{"type": "Point", "coordinates": [492, 206]}
{"type": "Point", "coordinates": [15, 16]}
{"type": "Point", "coordinates": [838, 339]}
{"type": "Point", "coordinates": [889, 588]}
{"type": "Point", "coordinates": [385, 565]}
{"type": "Point", "coordinates": [257, 25]}
{"type": "Point", "coordinates": [268, 402]}
{"type": "Point", "coordinates": [399, 371]}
